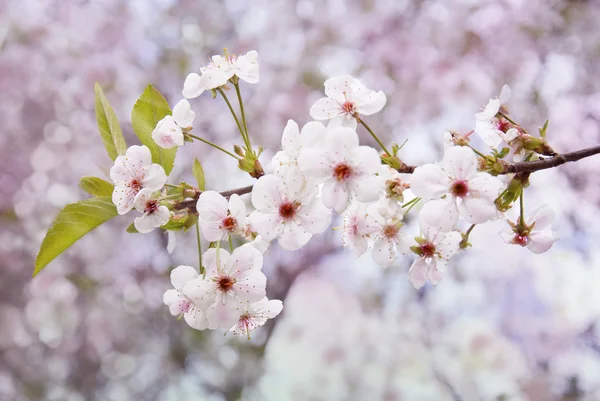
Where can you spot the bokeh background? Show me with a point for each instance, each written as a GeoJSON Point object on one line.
{"type": "Point", "coordinates": [504, 324]}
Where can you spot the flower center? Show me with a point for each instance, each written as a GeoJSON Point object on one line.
{"type": "Point", "coordinates": [348, 108]}
{"type": "Point", "coordinates": [342, 172]}
{"type": "Point", "coordinates": [503, 125]}
{"type": "Point", "coordinates": [184, 306]}
{"type": "Point", "coordinates": [287, 210]}
{"type": "Point", "coordinates": [395, 188]}
{"type": "Point", "coordinates": [390, 231]}
{"type": "Point", "coordinates": [225, 283]}
{"type": "Point", "coordinates": [459, 188]}
{"type": "Point", "coordinates": [428, 250]}
{"type": "Point", "coordinates": [151, 206]}
{"type": "Point", "coordinates": [135, 184]}
{"type": "Point", "coordinates": [520, 240]}
{"type": "Point", "coordinates": [229, 223]}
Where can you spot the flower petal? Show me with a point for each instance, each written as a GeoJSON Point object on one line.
{"type": "Point", "coordinates": [200, 291]}
{"type": "Point", "coordinates": [460, 163]}
{"type": "Point", "coordinates": [338, 88]}
{"type": "Point", "coordinates": [211, 206]}
{"type": "Point", "coordinates": [384, 252]}
{"type": "Point", "coordinates": [370, 103]}
{"type": "Point", "coordinates": [267, 224]}
{"type": "Point", "coordinates": [154, 177]}
{"type": "Point", "coordinates": [429, 181]}
{"type": "Point", "coordinates": [193, 86]}
{"type": "Point", "coordinates": [252, 287]}
{"type": "Point", "coordinates": [314, 217]}
{"type": "Point", "coordinates": [365, 188]}
{"type": "Point", "coordinates": [541, 241]}
{"type": "Point", "coordinates": [325, 108]}
{"type": "Point", "coordinates": [244, 260]}
{"type": "Point", "coordinates": [448, 244]}
{"type": "Point", "coordinates": [224, 313]}
{"type": "Point", "coordinates": [335, 195]}
{"type": "Point", "coordinates": [441, 215]}
{"type": "Point", "coordinates": [290, 140]}
{"type": "Point", "coordinates": [181, 275]}
{"type": "Point", "coordinates": [314, 163]}
{"type": "Point", "coordinates": [196, 319]}
{"type": "Point", "coordinates": [214, 260]}
{"type": "Point", "coordinates": [485, 186]}
{"type": "Point", "coordinates": [542, 216]}
{"type": "Point", "coordinates": [477, 210]}
{"type": "Point", "coordinates": [183, 114]}
{"type": "Point", "coordinates": [417, 274]}
{"type": "Point", "coordinates": [365, 159]}
{"type": "Point", "coordinates": [237, 208]}
{"type": "Point", "coordinates": [268, 192]}
{"type": "Point", "coordinates": [293, 236]}
{"type": "Point", "coordinates": [312, 134]}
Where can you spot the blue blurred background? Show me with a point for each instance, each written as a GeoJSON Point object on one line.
{"type": "Point", "coordinates": [504, 324]}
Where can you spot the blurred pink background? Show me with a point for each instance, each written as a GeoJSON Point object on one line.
{"type": "Point", "coordinates": [504, 324]}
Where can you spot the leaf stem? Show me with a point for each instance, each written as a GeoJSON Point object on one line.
{"type": "Point", "coordinates": [237, 121]}
{"type": "Point", "coordinates": [214, 145]}
{"type": "Point", "coordinates": [373, 135]}
{"type": "Point", "coordinates": [199, 248]}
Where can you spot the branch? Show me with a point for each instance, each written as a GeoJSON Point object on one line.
{"type": "Point", "coordinates": [521, 167]}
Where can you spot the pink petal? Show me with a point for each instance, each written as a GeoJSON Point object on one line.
{"type": "Point", "coordinates": [417, 274]}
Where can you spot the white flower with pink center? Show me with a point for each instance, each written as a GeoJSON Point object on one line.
{"type": "Point", "coordinates": [488, 126]}
{"type": "Point", "coordinates": [133, 172]}
{"type": "Point", "coordinates": [169, 131]}
{"type": "Point", "coordinates": [231, 283]}
{"type": "Point", "coordinates": [293, 140]}
{"type": "Point", "coordinates": [434, 248]}
{"type": "Point", "coordinates": [346, 169]}
{"type": "Point", "coordinates": [456, 187]}
{"type": "Point", "coordinates": [537, 234]}
{"type": "Point", "coordinates": [179, 304]}
{"type": "Point", "coordinates": [219, 71]}
{"type": "Point", "coordinates": [383, 224]}
{"type": "Point", "coordinates": [153, 213]}
{"type": "Point", "coordinates": [394, 184]}
{"type": "Point", "coordinates": [354, 229]}
{"type": "Point", "coordinates": [255, 315]}
{"type": "Point", "coordinates": [219, 217]}
{"type": "Point", "coordinates": [346, 98]}
{"type": "Point", "coordinates": [289, 211]}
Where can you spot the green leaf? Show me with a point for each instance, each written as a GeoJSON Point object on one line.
{"type": "Point", "coordinates": [150, 108]}
{"type": "Point", "coordinates": [109, 125]}
{"type": "Point", "coordinates": [72, 223]}
{"type": "Point", "coordinates": [199, 174]}
{"type": "Point", "coordinates": [543, 129]}
{"type": "Point", "coordinates": [96, 186]}
{"type": "Point", "coordinates": [131, 229]}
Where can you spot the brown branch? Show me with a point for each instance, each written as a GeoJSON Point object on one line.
{"type": "Point", "coordinates": [521, 167]}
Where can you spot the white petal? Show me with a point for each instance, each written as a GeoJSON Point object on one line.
{"type": "Point", "coordinates": [460, 163]}
{"type": "Point", "coordinates": [335, 195]}
{"type": "Point", "coordinates": [290, 140]}
{"type": "Point", "coordinates": [123, 198]}
{"type": "Point", "coordinates": [371, 103]}
{"type": "Point", "coordinates": [154, 177]}
{"type": "Point", "coordinates": [244, 260]}
{"type": "Point", "coordinates": [237, 208]}
{"type": "Point", "coordinates": [196, 319]}
{"type": "Point", "coordinates": [246, 67]}
{"type": "Point", "coordinates": [252, 287]}
{"type": "Point", "coordinates": [266, 224]}
{"type": "Point", "coordinates": [403, 242]}
{"type": "Point", "coordinates": [485, 186]}
{"type": "Point", "coordinates": [214, 260]}
{"type": "Point", "coordinates": [181, 275]}
{"type": "Point", "coordinates": [384, 252]}
{"type": "Point", "coordinates": [441, 214]}
{"type": "Point", "coordinates": [312, 134]}
{"type": "Point", "coordinates": [434, 273]}
{"type": "Point", "coordinates": [505, 94]}
{"type": "Point", "coordinates": [224, 313]}
{"type": "Point", "coordinates": [314, 217]}
{"type": "Point", "coordinates": [477, 210]}
{"type": "Point", "coordinates": [486, 130]}
{"type": "Point", "coordinates": [325, 108]}
{"type": "Point", "coordinates": [212, 231]}
{"type": "Point", "coordinates": [429, 181]}
{"type": "Point", "coordinates": [212, 206]}
{"type": "Point", "coordinates": [144, 224]}
{"type": "Point", "coordinates": [541, 241]}
{"type": "Point", "coordinates": [138, 156]}
{"type": "Point", "coordinates": [171, 241]}
{"type": "Point", "coordinates": [417, 274]}
{"type": "Point", "coordinates": [492, 108]}
{"type": "Point", "coordinates": [293, 236]}
{"type": "Point", "coordinates": [142, 199]}
{"type": "Point", "coordinates": [507, 235]}
{"type": "Point", "coordinates": [314, 163]}
{"type": "Point", "coordinates": [200, 291]}
{"type": "Point", "coordinates": [342, 121]}
{"type": "Point", "coordinates": [365, 159]}
{"type": "Point", "coordinates": [193, 86]}
{"type": "Point", "coordinates": [542, 216]}
{"type": "Point", "coordinates": [167, 133]}
{"type": "Point", "coordinates": [340, 143]}
{"type": "Point", "coordinates": [176, 302]}
{"type": "Point", "coordinates": [215, 77]}
{"type": "Point", "coordinates": [448, 244]}
{"type": "Point", "coordinates": [267, 192]}
{"type": "Point", "coordinates": [338, 88]}
{"type": "Point", "coordinates": [365, 188]}
{"type": "Point", "coordinates": [183, 114]}
{"type": "Point", "coordinates": [268, 310]}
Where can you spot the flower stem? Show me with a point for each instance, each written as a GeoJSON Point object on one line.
{"type": "Point", "coordinates": [239, 96]}
{"type": "Point", "coordinates": [213, 145]}
{"type": "Point", "coordinates": [469, 230]}
{"type": "Point", "coordinates": [522, 218]}
{"type": "Point", "coordinates": [237, 121]}
{"type": "Point", "coordinates": [414, 202]}
{"type": "Point", "coordinates": [476, 151]}
{"type": "Point", "coordinates": [373, 135]}
{"type": "Point", "coordinates": [199, 248]}
{"type": "Point", "coordinates": [507, 118]}
{"type": "Point", "coordinates": [230, 244]}
{"type": "Point", "coordinates": [410, 202]}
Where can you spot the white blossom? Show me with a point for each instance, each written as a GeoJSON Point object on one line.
{"type": "Point", "coordinates": [383, 225]}
{"type": "Point", "coordinates": [255, 315]}
{"type": "Point", "coordinates": [232, 281]}
{"type": "Point", "coordinates": [218, 217]}
{"type": "Point", "coordinates": [219, 71]}
{"type": "Point", "coordinates": [456, 185]}
{"type": "Point", "coordinates": [487, 125]}
{"type": "Point", "coordinates": [537, 236]}
{"type": "Point", "coordinates": [434, 248]}
{"type": "Point", "coordinates": [353, 233]}
{"type": "Point", "coordinates": [346, 97]}
{"type": "Point", "coordinates": [346, 169]}
{"type": "Point", "coordinates": [394, 184]}
{"type": "Point", "coordinates": [289, 211]}
{"type": "Point", "coordinates": [293, 140]}
{"type": "Point", "coordinates": [133, 172]}
{"type": "Point", "coordinates": [169, 131]}
{"type": "Point", "coordinates": [179, 304]}
{"type": "Point", "coordinates": [153, 213]}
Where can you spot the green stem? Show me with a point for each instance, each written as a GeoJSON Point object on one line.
{"type": "Point", "coordinates": [412, 205]}
{"type": "Point", "coordinates": [521, 203]}
{"type": "Point", "coordinates": [237, 121]}
{"type": "Point", "coordinates": [507, 118]}
{"type": "Point", "coordinates": [469, 230]}
{"type": "Point", "coordinates": [230, 244]}
{"type": "Point", "coordinates": [476, 151]}
{"type": "Point", "coordinates": [199, 248]}
{"type": "Point", "coordinates": [213, 145]}
{"type": "Point", "coordinates": [373, 135]}
{"type": "Point", "coordinates": [239, 96]}
{"type": "Point", "coordinates": [410, 202]}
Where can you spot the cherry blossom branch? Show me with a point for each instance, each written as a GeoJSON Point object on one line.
{"type": "Point", "coordinates": [555, 161]}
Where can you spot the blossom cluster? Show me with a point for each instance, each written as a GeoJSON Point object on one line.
{"type": "Point", "coordinates": [321, 169]}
